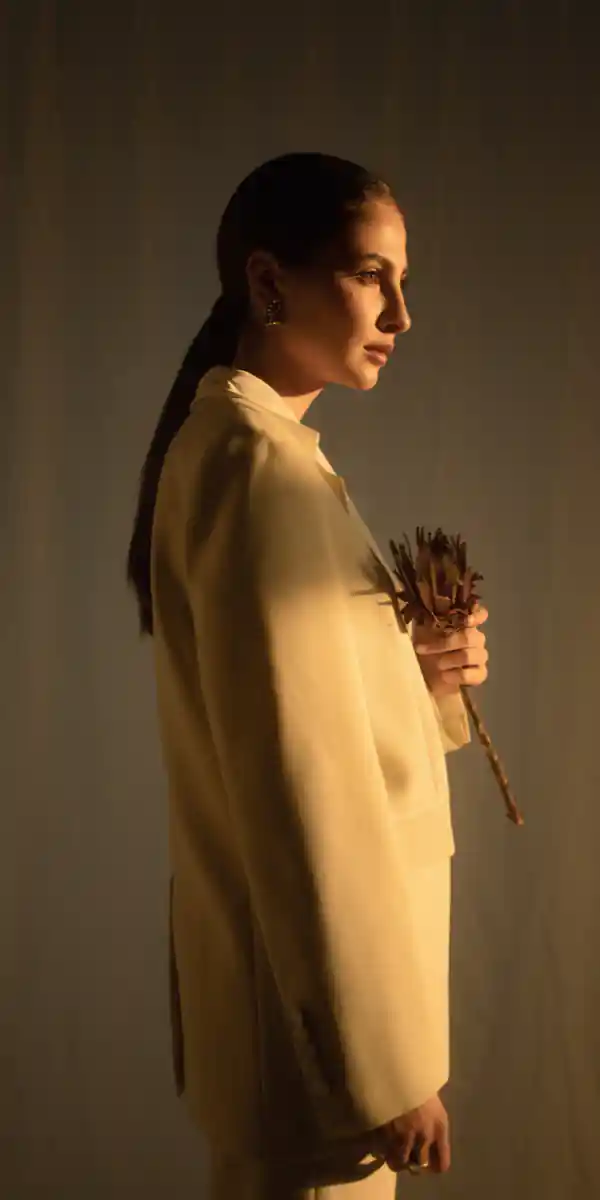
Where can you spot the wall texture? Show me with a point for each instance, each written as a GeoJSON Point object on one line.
{"type": "Point", "coordinates": [125, 128]}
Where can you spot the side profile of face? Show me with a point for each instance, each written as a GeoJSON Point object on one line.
{"type": "Point", "coordinates": [351, 300]}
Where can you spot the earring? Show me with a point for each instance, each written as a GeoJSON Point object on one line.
{"type": "Point", "coordinates": [274, 312]}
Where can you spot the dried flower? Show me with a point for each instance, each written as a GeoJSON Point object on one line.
{"type": "Point", "coordinates": [438, 591]}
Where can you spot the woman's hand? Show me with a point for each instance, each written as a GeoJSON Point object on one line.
{"type": "Point", "coordinates": [424, 1132]}
{"type": "Point", "coordinates": [448, 661]}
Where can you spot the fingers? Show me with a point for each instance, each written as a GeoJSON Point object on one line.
{"type": "Point", "coordinates": [471, 656]}
{"type": "Point", "coordinates": [440, 1152]}
{"type": "Point", "coordinates": [479, 615]}
{"type": "Point", "coordinates": [470, 637]}
{"type": "Point", "coordinates": [407, 1147]}
{"type": "Point", "coordinates": [419, 1138]}
{"type": "Point", "coordinates": [420, 1151]}
{"type": "Point", "coordinates": [451, 681]}
{"type": "Point", "coordinates": [399, 1151]}
{"type": "Point", "coordinates": [433, 1155]}
{"type": "Point", "coordinates": [434, 642]}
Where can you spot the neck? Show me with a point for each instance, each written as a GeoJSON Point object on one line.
{"type": "Point", "coordinates": [268, 363]}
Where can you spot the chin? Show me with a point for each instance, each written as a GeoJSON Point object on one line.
{"type": "Point", "coordinates": [362, 377]}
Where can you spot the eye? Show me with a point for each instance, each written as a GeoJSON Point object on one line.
{"type": "Point", "coordinates": [371, 276]}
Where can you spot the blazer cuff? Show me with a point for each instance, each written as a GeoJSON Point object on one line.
{"type": "Point", "coordinates": [453, 721]}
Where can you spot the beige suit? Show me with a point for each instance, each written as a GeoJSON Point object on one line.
{"type": "Point", "coordinates": [310, 825]}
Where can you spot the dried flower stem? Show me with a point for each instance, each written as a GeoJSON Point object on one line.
{"type": "Point", "coordinates": [438, 591]}
{"type": "Point", "coordinates": [512, 811]}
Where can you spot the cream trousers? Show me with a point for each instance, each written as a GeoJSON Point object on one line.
{"type": "Point", "coordinates": [252, 1179]}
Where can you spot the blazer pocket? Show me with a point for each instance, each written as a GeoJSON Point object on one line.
{"type": "Point", "coordinates": [427, 836]}
{"type": "Point", "coordinates": [175, 1006]}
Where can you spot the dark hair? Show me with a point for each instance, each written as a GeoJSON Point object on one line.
{"type": "Point", "coordinates": [291, 206]}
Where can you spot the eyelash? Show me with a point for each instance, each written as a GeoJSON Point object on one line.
{"type": "Point", "coordinates": [373, 274]}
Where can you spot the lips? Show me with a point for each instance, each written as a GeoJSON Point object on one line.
{"type": "Point", "coordinates": [380, 353]}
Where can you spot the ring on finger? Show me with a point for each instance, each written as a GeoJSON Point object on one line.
{"type": "Point", "coordinates": [415, 1168]}
{"type": "Point", "coordinates": [414, 1163]}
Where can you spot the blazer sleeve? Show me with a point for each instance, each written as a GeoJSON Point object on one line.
{"type": "Point", "coordinates": [453, 721]}
{"type": "Point", "coordinates": [451, 715]}
{"type": "Point", "coordinates": [327, 872]}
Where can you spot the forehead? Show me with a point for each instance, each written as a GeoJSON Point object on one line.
{"type": "Point", "coordinates": [379, 229]}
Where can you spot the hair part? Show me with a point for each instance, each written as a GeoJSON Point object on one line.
{"type": "Point", "coordinates": [292, 206]}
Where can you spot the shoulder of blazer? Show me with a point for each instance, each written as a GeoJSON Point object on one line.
{"type": "Point", "coordinates": [221, 432]}
{"type": "Point", "coordinates": [221, 406]}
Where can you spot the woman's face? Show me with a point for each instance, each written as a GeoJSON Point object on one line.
{"type": "Point", "coordinates": [338, 309]}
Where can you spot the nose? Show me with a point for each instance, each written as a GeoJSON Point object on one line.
{"type": "Point", "coordinates": [395, 317]}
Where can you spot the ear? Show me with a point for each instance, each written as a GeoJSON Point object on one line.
{"type": "Point", "coordinates": [265, 280]}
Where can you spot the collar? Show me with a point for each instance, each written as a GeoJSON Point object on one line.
{"type": "Point", "coordinates": [252, 390]}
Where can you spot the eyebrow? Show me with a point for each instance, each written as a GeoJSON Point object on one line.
{"type": "Point", "coordinates": [383, 262]}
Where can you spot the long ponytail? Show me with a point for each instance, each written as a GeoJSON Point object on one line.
{"type": "Point", "coordinates": [215, 344]}
{"type": "Point", "coordinates": [292, 206]}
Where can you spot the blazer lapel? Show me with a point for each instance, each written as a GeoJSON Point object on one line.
{"type": "Point", "coordinates": [252, 391]}
{"type": "Point", "coordinates": [384, 576]}
{"type": "Point", "coordinates": [337, 485]}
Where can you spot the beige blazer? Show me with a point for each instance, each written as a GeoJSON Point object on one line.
{"type": "Point", "coordinates": [309, 813]}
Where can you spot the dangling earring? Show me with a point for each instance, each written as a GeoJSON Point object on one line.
{"type": "Point", "coordinates": [274, 312]}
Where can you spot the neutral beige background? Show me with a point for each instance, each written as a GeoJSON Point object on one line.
{"type": "Point", "coordinates": [125, 128]}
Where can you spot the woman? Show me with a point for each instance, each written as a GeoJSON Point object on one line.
{"type": "Point", "coordinates": [310, 830]}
